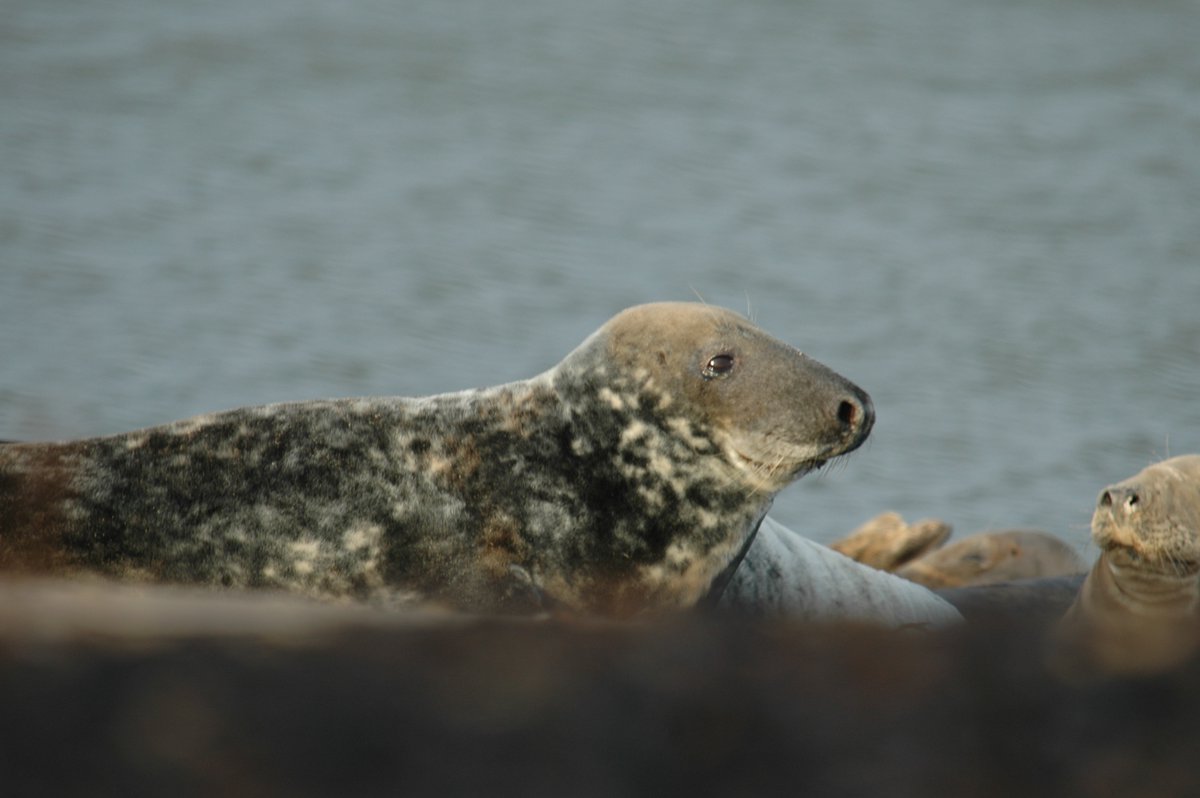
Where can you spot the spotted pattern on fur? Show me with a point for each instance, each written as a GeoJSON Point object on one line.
{"type": "Point", "coordinates": [592, 487]}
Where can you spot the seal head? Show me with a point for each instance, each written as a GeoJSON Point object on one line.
{"type": "Point", "coordinates": [710, 418]}
{"type": "Point", "coordinates": [712, 377]}
{"type": "Point", "coordinates": [1150, 523]}
{"type": "Point", "coordinates": [1138, 609]}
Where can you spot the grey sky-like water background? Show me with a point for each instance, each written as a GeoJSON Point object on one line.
{"type": "Point", "coordinates": [985, 212]}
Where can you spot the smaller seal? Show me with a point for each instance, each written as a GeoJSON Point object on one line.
{"type": "Point", "coordinates": [987, 558]}
{"type": "Point", "coordinates": [886, 542]}
{"type": "Point", "coordinates": [1037, 603]}
{"type": "Point", "coordinates": [1139, 607]}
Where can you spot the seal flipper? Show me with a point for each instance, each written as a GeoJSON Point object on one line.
{"type": "Point", "coordinates": [717, 589]}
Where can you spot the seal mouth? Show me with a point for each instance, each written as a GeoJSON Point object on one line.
{"type": "Point", "coordinates": [1124, 554]}
{"type": "Point", "coordinates": [779, 471]}
{"type": "Point", "coordinates": [1179, 566]}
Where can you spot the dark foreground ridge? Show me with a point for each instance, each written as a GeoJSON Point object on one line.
{"type": "Point", "coordinates": [697, 705]}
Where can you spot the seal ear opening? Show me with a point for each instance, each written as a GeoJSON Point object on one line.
{"type": "Point", "coordinates": [1112, 496]}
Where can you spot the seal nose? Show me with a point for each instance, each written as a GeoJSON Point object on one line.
{"type": "Point", "coordinates": [1123, 497]}
{"type": "Point", "coordinates": [856, 414]}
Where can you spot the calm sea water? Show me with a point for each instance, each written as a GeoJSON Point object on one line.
{"type": "Point", "coordinates": [985, 212]}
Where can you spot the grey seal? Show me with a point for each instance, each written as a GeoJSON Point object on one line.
{"type": "Point", "coordinates": [1138, 610]}
{"type": "Point", "coordinates": [626, 478]}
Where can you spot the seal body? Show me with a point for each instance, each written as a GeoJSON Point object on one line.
{"type": "Point", "coordinates": [987, 558]}
{"type": "Point", "coordinates": [886, 542]}
{"type": "Point", "coordinates": [1138, 610]}
{"type": "Point", "coordinates": [787, 575]}
{"type": "Point", "coordinates": [1037, 603]}
{"type": "Point", "coordinates": [623, 479]}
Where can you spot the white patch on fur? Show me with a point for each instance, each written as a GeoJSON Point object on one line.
{"type": "Point", "coordinates": [304, 556]}
{"type": "Point", "coordinates": [189, 425]}
{"type": "Point", "coordinates": [679, 554]}
{"type": "Point", "coordinates": [682, 427]}
{"type": "Point", "coordinates": [653, 499]}
{"type": "Point", "coordinates": [361, 536]}
{"type": "Point", "coordinates": [611, 398]}
{"type": "Point", "coordinates": [633, 433]}
{"type": "Point", "coordinates": [664, 467]}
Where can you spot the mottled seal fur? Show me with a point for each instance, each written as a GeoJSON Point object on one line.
{"type": "Point", "coordinates": [625, 478]}
{"type": "Point", "coordinates": [1139, 607]}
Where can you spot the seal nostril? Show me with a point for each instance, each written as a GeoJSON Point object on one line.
{"type": "Point", "coordinates": [1126, 497]}
{"type": "Point", "coordinates": [847, 413]}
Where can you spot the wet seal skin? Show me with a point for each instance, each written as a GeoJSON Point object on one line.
{"type": "Point", "coordinates": [1138, 611]}
{"type": "Point", "coordinates": [787, 575]}
{"type": "Point", "coordinates": [624, 479]}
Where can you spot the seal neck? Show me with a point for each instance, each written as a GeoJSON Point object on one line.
{"type": "Point", "coordinates": [1158, 593]}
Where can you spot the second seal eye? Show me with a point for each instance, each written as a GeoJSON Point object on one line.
{"type": "Point", "coordinates": [719, 366]}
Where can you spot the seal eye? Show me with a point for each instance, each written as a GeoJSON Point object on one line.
{"type": "Point", "coordinates": [718, 366]}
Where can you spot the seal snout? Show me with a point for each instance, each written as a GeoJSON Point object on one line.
{"type": "Point", "coordinates": [856, 415]}
{"type": "Point", "coordinates": [1124, 498]}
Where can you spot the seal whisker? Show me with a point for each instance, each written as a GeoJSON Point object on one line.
{"type": "Point", "coordinates": [771, 472]}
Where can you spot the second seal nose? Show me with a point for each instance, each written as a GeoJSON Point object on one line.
{"type": "Point", "coordinates": [1123, 497]}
